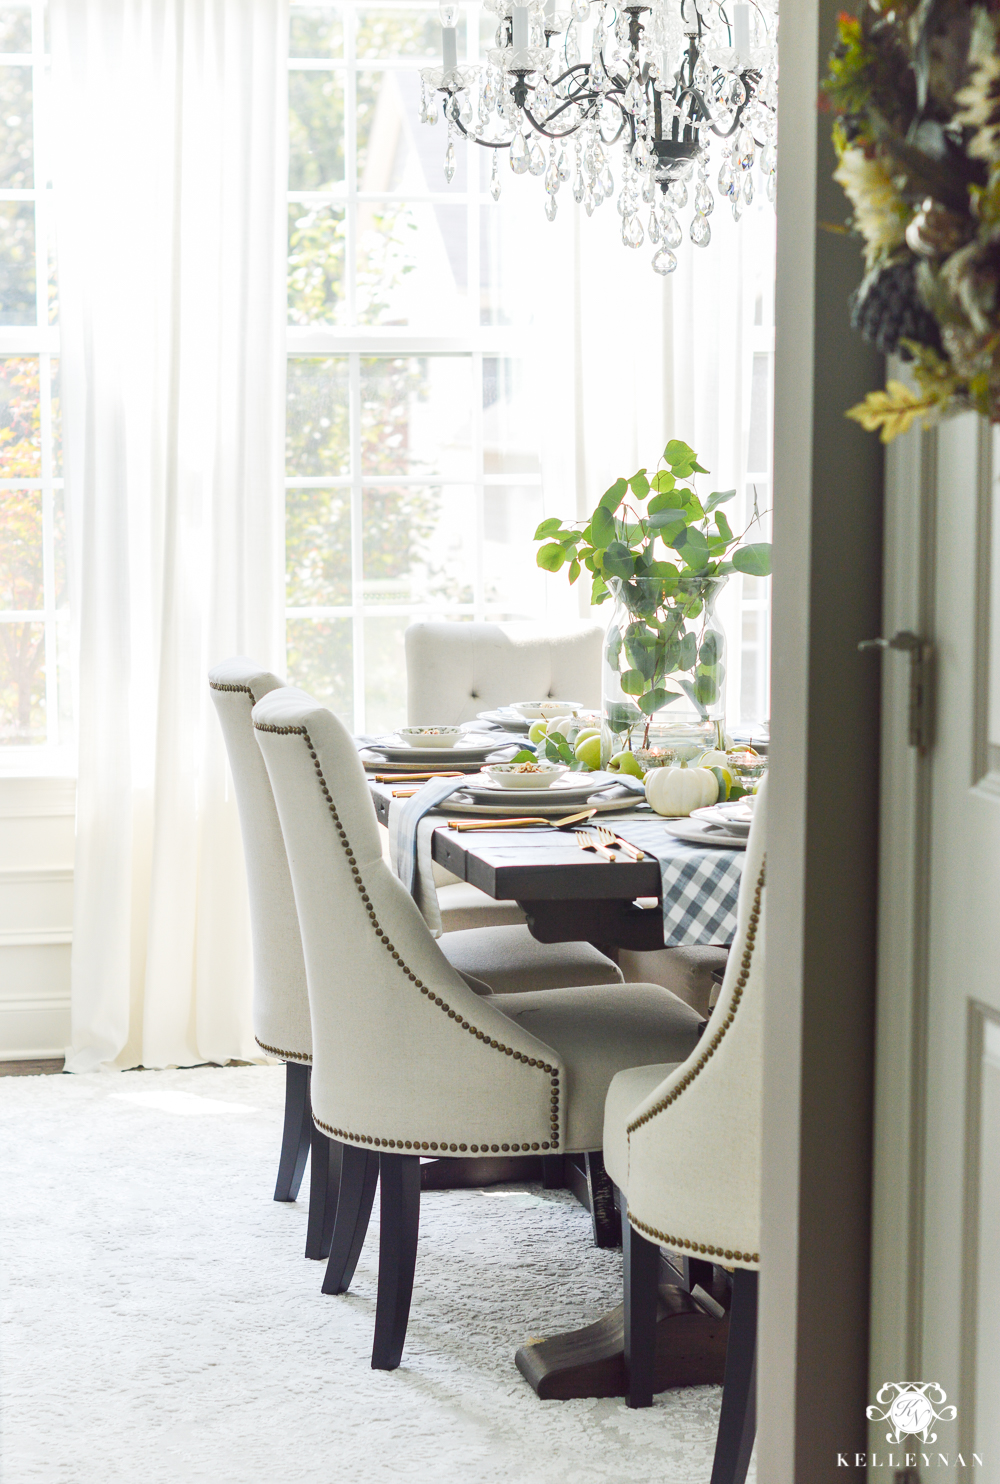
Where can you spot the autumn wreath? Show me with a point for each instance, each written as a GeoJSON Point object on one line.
{"type": "Point", "coordinates": [915, 85]}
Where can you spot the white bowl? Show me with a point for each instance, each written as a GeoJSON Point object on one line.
{"type": "Point", "coordinates": [430, 736]}
{"type": "Point", "coordinates": [539, 710]}
{"type": "Point", "coordinates": [513, 775]}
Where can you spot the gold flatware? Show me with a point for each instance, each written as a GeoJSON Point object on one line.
{"type": "Point", "coordinates": [412, 777]}
{"type": "Point", "coordinates": [587, 842]}
{"type": "Point", "coordinates": [615, 842]}
{"type": "Point", "coordinates": [506, 824]}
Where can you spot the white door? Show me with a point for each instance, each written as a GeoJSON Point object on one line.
{"type": "Point", "coordinates": [936, 1251]}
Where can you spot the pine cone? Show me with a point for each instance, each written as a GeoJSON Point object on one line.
{"type": "Point", "coordinates": [886, 309]}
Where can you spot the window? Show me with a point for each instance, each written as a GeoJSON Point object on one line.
{"type": "Point", "coordinates": [35, 692]}
{"type": "Point", "coordinates": [414, 481]}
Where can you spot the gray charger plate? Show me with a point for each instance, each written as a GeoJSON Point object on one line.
{"type": "Point", "coordinates": [510, 721]}
{"type": "Point", "coordinates": [472, 750]}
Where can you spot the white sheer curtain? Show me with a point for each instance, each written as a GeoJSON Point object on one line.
{"type": "Point", "coordinates": [625, 359]}
{"type": "Point", "coordinates": [171, 151]}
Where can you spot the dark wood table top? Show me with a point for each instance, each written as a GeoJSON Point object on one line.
{"type": "Point", "coordinates": [532, 864]}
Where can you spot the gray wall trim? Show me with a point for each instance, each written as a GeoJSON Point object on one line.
{"type": "Point", "coordinates": [823, 810]}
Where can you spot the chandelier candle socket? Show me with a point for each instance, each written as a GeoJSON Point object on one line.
{"type": "Point", "coordinates": [667, 80]}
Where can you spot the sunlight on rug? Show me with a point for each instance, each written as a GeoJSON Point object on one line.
{"type": "Point", "coordinates": [162, 1325]}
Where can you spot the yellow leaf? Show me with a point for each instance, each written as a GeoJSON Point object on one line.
{"type": "Point", "coordinates": [893, 411]}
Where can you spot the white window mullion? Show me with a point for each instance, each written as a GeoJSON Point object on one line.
{"type": "Point", "coordinates": [479, 588]}
{"type": "Point", "coordinates": [351, 160]}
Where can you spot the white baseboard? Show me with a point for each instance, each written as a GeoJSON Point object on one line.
{"type": "Point", "coordinates": [34, 999]}
{"type": "Point", "coordinates": [30, 1031]}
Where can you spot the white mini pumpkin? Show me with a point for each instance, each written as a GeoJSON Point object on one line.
{"type": "Point", "coordinates": [676, 791]}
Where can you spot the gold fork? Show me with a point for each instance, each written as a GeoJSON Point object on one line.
{"type": "Point", "coordinates": [587, 842]}
{"type": "Point", "coordinates": [612, 841]}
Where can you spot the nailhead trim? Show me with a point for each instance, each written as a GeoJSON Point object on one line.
{"type": "Point", "coordinates": [383, 937]}
{"type": "Point", "coordinates": [666, 1238]}
{"type": "Point", "coordinates": [432, 1146]}
{"type": "Point", "coordinates": [719, 1033]}
{"type": "Point", "coordinates": [681, 1242]}
{"type": "Point", "coordinates": [244, 689]}
{"type": "Point", "coordinates": [287, 1055]}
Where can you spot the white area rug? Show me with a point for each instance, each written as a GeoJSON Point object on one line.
{"type": "Point", "coordinates": [162, 1325]}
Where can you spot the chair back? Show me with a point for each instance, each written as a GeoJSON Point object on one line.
{"type": "Point", "coordinates": [280, 997]}
{"type": "Point", "coordinates": [405, 1055]}
{"type": "Point", "coordinates": [695, 1143]}
{"type": "Point", "coordinates": [455, 670]}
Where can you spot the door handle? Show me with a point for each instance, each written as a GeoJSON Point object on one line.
{"type": "Point", "coordinates": [921, 654]}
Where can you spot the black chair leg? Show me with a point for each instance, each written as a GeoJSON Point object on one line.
{"type": "Point", "coordinates": [399, 1175]}
{"type": "Point", "coordinates": [296, 1132]}
{"type": "Point", "coordinates": [738, 1419]}
{"type": "Point", "coordinates": [324, 1188]}
{"type": "Point", "coordinates": [641, 1268]}
{"type": "Point", "coordinates": [603, 1211]}
{"type": "Point", "coordinates": [358, 1178]}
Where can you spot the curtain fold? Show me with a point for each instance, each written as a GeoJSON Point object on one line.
{"type": "Point", "coordinates": [170, 156]}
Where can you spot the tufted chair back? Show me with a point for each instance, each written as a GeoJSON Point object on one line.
{"type": "Point", "coordinates": [694, 1144]}
{"type": "Point", "coordinates": [281, 1002]}
{"type": "Point", "coordinates": [455, 670]}
{"type": "Point", "coordinates": [405, 1055]}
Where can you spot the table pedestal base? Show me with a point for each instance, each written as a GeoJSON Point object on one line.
{"type": "Point", "coordinates": [690, 1351]}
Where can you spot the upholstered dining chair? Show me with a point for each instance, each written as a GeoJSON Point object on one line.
{"type": "Point", "coordinates": [495, 959]}
{"type": "Point", "coordinates": [683, 1146]}
{"type": "Point", "coordinates": [407, 1059]}
{"type": "Point", "coordinates": [455, 670]}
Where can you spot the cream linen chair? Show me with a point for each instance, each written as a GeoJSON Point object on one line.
{"type": "Point", "coordinates": [455, 670]}
{"type": "Point", "coordinates": [407, 1059]}
{"type": "Point", "coordinates": [497, 959]}
{"type": "Point", "coordinates": [683, 1145]}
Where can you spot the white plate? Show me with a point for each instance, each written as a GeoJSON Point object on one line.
{"type": "Point", "coordinates": [567, 787]}
{"type": "Point", "coordinates": [509, 720]}
{"type": "Point", "coordinates": [697, 832]}
{"type": "Point", "coordinates": [470, 748]}
{"type": "Point", "coordinates": [734, 819]}
{"type": "Point", "coordinates": [549, 810]}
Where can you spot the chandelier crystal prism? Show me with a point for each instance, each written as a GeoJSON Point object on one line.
{"type": "Point", "coordinates": [687, 88]}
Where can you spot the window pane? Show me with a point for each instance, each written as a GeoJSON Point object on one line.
{"type": "Point", "coordinates": [416, 415]}
{"type": "Point", "coordinates": [17, 263]}
{"type": "Point", "coordinates": [395, 152]}
{"type": "Point", "coordinates": [511, 577]}
{"type": "Point", "coordinates": [320, 660]}
{"type": "Point", "coordinates": [21, 549]}
{"type": "Point", "coordinates": [59, 548]}
{"type": "Point", "coordinates": [315, 130]}
{"type": "Point", "coordinates": [318, 548]}
{"type": "Point", "coordinates": [760, 423]}
{"type": "Point", "coordinates": [15, 28]}
{"type": "Point", "coordinates": [511, 432]}
{"type": "Point", "coordinates": [316, 31]}
{"type": "Point", "coordinates": [22, 683]}
{"type": "Point", "coordinates": [385, 674]}
{"type": "Point", "coordinates": [20, 419]}
{"type": "Point", "coordinates": [317, 426]}
{"type": "Point", "coordinates": [15, 133]}
{"type": "Point", "coordinates": [387, 32]}
{"type": "Point", "coordinates": [316, 241]}
{"type": "Point", "coordinates": [419, 545]}
{"type": "Point", "coordinates": [412, 265]}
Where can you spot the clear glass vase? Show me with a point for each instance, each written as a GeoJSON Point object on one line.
{"type": "Point", "coordinates": [664, 671]}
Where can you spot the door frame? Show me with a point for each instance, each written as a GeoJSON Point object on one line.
{"type": "Point", "coordinates": [823, 809]}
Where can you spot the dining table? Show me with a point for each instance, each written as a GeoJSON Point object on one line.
{"type": "Point", "coordinates": [569, 894]}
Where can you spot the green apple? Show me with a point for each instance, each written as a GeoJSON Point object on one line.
{"type": "Point", "coordinates": [589, 752]}
{"type": "Point", "coordinates": [625, 762]}
{"type": "Point", "coordinates": [537, 731]}
{"type": "Point", "coordinates": [586, 732]}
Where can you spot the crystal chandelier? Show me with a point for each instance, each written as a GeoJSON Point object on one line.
{"type": "Point", "coordinates": [670, 80]}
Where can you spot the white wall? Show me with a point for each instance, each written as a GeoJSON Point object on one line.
{"type": "Point", "coordinates": [36, 915]}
